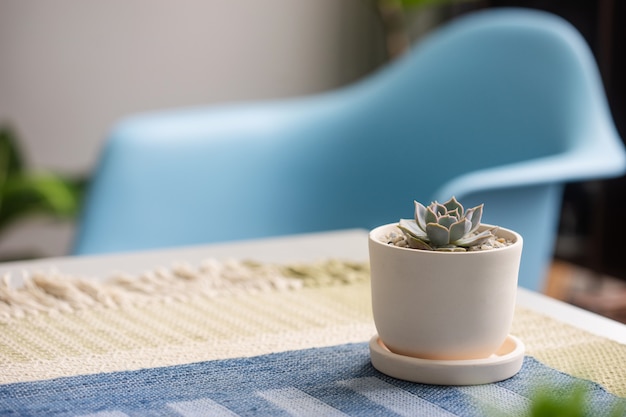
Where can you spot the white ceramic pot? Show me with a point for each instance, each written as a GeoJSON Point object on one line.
{"type": "Point", "coordinates": [443, 305]}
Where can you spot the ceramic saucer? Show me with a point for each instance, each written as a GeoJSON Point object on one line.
{"type": "Point", "coordinates": [503, 364]}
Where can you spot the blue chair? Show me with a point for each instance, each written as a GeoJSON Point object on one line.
{"type": "Point", "coordinates": [502, 106]}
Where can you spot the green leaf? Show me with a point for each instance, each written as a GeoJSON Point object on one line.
{"type": "Point", "coordinates": [10, 157]}
{"type": "Point", "coordinates": [446, 221]}
{"type": "Point", "coordinates": [420, 215]}
{"type": "Point", "coordinates": [410, 227]}
{"type": "Point", "coordinates": [481, 237]}
{"type": "Point", "coordinates": [451, 248]}
{"type": "Point", "coordinates": [459, 229]}
{"type": "Point", "coordinates": [438, 234]}
{"type": "Point", "coordinates": [23, 192]}
{"type": "Point", "coordinates": [474, 215]}
{"type": "Point", "coordinates": [40, 193]}
{"type": "Point", "coordinates": [559, 402]}
{"type": "Point", "coordinates": [430, 216]}
{"type": "Point", "coordinates": [438, 209]}
{"type": "Point", "coordinates": [452, 205]}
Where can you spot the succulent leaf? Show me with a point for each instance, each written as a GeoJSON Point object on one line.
{"type": "Point", "coordinates": [430, 217]}
{"type": "Point", "coordinates": [452, 205]}
{"type": "Point", "coordinates": [418, 244]}
{"type": "Point", "coordinates": [459, 229]}
{"type": "Point", "coordinates": [451, 249]}
{"type": "Point", "coordinates": [410, 227]}
{"type": "Point", "coordinates": [446, 221]}
{"type": "Point", "coordinates": [420, 215]}
{"type": "Point", "coordinates": [474, 215]}
{"type": "Point", "coordinates": [439, 209]}
{"type": "Point", "coordinates": [478, 239]}
{"type": "Point", "coordinates": [439, 235]}
{"type": "Point", "coordinates": [455, 213]}
{"type": "Point", "coordinates": [445, 227]}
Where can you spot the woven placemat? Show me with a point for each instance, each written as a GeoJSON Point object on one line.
{"type": "Point", "coordinates": [335, 381]}
{"type": "Point", "coordinates": [57, 325]}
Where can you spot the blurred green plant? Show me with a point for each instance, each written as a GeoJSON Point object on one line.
{"type": "Point", "coordinates": [571, 400]}
{"type": "Point", "coordinates": [25, 192]}
{"type": "Point", "coordinates": [568, 402]}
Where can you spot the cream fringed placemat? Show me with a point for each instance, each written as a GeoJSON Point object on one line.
{"type": "Point", "coordinates": [56, 325]}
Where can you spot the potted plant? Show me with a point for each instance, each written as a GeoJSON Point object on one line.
{"type": "Point", "coordinates": [25, 192]}
{"type": "Point", "coordinates": [443, 296]}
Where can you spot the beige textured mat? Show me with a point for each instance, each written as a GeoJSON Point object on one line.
{"type": "Point", "coordinates": [61, 326]}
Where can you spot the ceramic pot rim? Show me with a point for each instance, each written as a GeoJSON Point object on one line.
{"type": "Point", "coordinates": [374, 237]}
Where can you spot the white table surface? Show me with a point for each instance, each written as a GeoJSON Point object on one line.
{"type": "Point", "coordinates": [347, 244]}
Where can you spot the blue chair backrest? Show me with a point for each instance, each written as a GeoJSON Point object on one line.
{"type": "Point", "coordinates": [501, 107]}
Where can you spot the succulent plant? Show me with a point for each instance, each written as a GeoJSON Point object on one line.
{"type": "Point", "coordinates": [445, 227]}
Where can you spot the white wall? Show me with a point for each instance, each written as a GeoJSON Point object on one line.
{"type": "Point", "coordinates": [70, 68]}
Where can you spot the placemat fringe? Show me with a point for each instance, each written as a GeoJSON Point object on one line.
{"type": "Point", "coordinates": [53, 291]}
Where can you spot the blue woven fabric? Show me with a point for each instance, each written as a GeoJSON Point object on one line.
{"type": "Point", "coordinates": [334, 381]}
